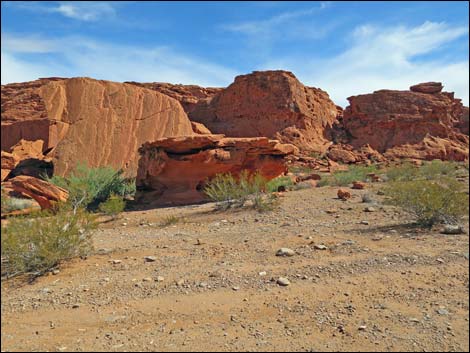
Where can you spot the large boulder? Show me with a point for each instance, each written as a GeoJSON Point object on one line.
{"type": "Point", "coordinates": [44, 193]}
{"type": "Point", "coordinates": [422, 122]}
{"type": "Point", "coordinates": [273, 104]}
{"type": "Point", "coordinates": [174, 170]}
{"type": "Point", "coordinates": [92, 121]}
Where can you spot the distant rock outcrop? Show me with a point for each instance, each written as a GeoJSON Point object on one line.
{"type": "Point", "coordinates": [92, 121]}
{"type": "Point", "coordinates": [174, 170]}
{"type": "Point", "coordinates": [273, 104]}
{"type": "Point", "coordinates": [187, 95]}
{"type": "Point", "coordinates": [423, 123]}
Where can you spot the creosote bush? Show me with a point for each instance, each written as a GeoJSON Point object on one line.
{"type": "Point", "coordinates": [274, 184]}
{"type": "Point", "coordinates": [430, 201]}
{"type": "Point", "coordinates": [345, 178]}
{"type": "Point", "coordinates": [34, 246]}
{"type": "Point", "coordinates": [88, 187]}
{"type": "Point", "coordinates": [113, 206]}
{"type": "Point", "coordinates": [231, 192]}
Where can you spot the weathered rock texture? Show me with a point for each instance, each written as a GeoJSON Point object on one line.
{"type": "Point", "coordinates": [174, 170]}
{"type": "Point", "coordinates": [81, 119]}
{"type": "Point", "coordinates": [187, 95]}
{"type": "Point", "coordinates": [422, 123]}
{"type": "Point", "coordinates": [44, 193]}
{"type": "Point", "coordinates": [26, 158]}
{"type": "Point", "coordinates": [273, 104]}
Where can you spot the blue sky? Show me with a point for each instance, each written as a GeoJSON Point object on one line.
{"type": "Point", "coordinates": [345, 48]}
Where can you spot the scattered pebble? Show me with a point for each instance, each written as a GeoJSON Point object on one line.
{"type": "Point", "coordinates": [285, 252]}
{"type": "Point", "coordinates": [282, 281]}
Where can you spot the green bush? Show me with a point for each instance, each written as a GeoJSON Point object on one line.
{"type": "Point", "coordinates": [430, 201]}
{"type": "Point", "coordinates": [345, 178]}
{"type": "Point", "coordinates": [274, 184]}
{"type": "Point", "coordinates": [438, 168]}
{"type": "Point", "coordinates": [113, 206]}
{"type": "Point", "coordinates": [36, 245]}
{"type": "Point", "coordinates": [231, 192]}
{"type": "Point", "coordinates": [403, 172]}
{"type": "Point", "coordinates": [89, 187]}
{"type": "Point", "coordinates": [428, 171]}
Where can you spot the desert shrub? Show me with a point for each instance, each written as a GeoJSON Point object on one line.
{"type": "Point", "coordinates": [403, 172]}
{"type": "Point", "coordinates": [10, 204]}
{"type": "Point", "coordinates": [91, 186]}
{"type": "Point", "coordinates": [430, 201]}
{"type": "Point", "coordinates": [274, 184]}
{"type": "Point", "coordinates": [438, 168]}
{"type": "Point", "coordinates": [344, 178]}
{"type": "Point", "coordinates": [231, 192]}
{"type": "Point", "coordinates": [36, 245]}
{"type": "Point", "coordinates": [170, 220]}
{"type": "Point", "coordinates": [113, 206]}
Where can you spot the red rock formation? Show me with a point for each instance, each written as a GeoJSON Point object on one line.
{"type": "Point", "coordinates": [44, 193]}
{"type": "Point", "coordinates": [417, 123]}
{"type": "Point", "coordinates": [174, 170]}
{"type": "Point", "coordinates": [200, 129]}
{"type": "Point", "coordinates": [187, 95]}
{"type": "Point", "coordinates": [81, 119]}
{"type": "Point", "coordinates": [26, 158]}
{"type": "Point", "coordinates": [272, 104]}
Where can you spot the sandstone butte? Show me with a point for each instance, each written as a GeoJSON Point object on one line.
{"type": "Point", "coordinates": [271, 104]}
{"type": "Point", "coordinates": [86, 120]}
{"type": "Point", "coordinates": [422, 123]}
{"type": "Point", "coordinates": [174, 171]}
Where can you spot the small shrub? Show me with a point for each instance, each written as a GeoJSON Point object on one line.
{"type": "Point", "coordinates": [170, 220]}
{"type": "Point", "coordinates": [345, 178]}
{"type": "Point", "coordinates": [230, 192]}
{"type": "Point", "coordinates": [36, 245]}
{"type": "Point", "coordinates": [437, 168]}
{"type": "Point", "coordinates": [113, 206]}
{"type": "Point", "coordinates": [10, 204]}
{"type": "Point", "coordinates": [89, 187]}
{"type": "Point", "coordinates": [274, 184]}
{"type": "Point", "coordinates": [403, 172]}
{"type": "Point", "coordinates": [430, 201]}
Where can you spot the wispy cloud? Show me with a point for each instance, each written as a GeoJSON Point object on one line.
{"type": "Point", "coordinates": [283, 24]}
{"type": "Point", "coordinates": [390, 57]}
{"type": "Point", "coordinates": [81, 56]}
{"type": "Point", "coordinates": [79, 10]}
{"type": "Point", "coordinates": [85, 10]}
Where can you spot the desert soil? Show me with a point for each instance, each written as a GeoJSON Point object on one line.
{"type": "Point", "coordinates": [381, 286]}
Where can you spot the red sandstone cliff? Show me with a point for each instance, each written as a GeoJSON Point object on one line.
{"type": "Point", "coordinates": [81, 119]}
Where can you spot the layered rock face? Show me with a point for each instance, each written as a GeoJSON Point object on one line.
{"type": "Point", "coordinates": [272, 104]}
{"type": "Point", "coordinates": [187, 95]}
{"type": "Point", "coordinates": [421, 123]}
{"type": "Point", "coordinates": [85, 120]}
{"type": "Point", "coordinates": [44, 193]}
{"type": "Point", "coordinates": [174, 171]}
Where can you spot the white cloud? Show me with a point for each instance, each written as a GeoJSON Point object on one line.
{"type": "Point", "coordinates": [79, 56]}
{"type": "Point", "coordinates": [78, 10]}
{"type": "Point", "coordinates": [85, 10]}
{"type": "Point", "coordinates": [284, 24]}
{"type": "Point", "coordinates": [385, 58]}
